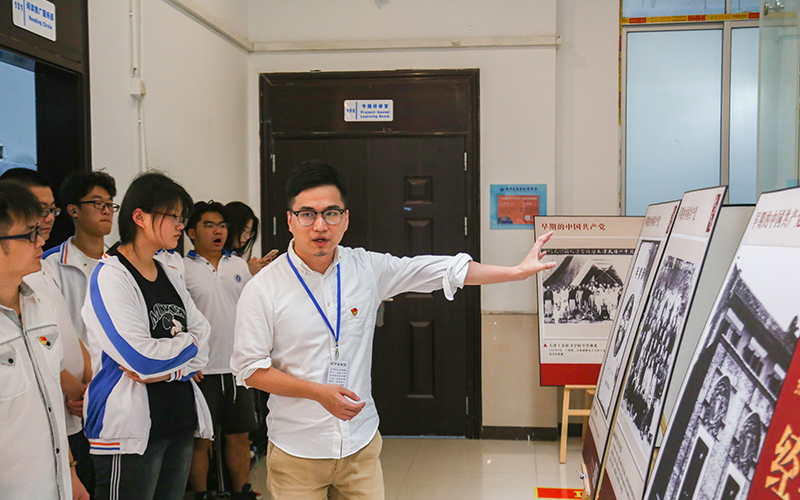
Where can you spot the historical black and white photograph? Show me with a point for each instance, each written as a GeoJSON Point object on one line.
{"type": "Point", "coordinates": [654, 353]}
{"type": "Point", "coordinates": [727, 401]}
{"type": "Point", "coordinates": [643, 266]}
{"type": "Point", "coordinates": [583, 288]}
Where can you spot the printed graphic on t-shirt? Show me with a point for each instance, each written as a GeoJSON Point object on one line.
{"type": "Point", "coordinates": [172, 318]}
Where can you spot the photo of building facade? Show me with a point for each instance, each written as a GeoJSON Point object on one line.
{"type": "Point", "coordinates": [713, 444]}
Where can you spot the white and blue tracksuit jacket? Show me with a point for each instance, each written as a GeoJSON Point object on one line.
{"type": "Point", "coordinates": [116, 408]}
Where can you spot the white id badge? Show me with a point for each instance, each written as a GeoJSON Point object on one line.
{"type": "Point", "coordinates": [337, 373]}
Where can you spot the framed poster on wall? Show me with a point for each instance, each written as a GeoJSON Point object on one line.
{"type": "Point", "coordinates": [578, 299]}
{"type": "Point", "coordinates": [514, 206]}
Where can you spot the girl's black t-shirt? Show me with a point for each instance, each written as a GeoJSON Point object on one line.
{"type": "Point", "coordinates": [172, 406]}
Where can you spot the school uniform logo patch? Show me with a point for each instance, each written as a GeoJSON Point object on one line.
{"type": "Point", "coordinates": [237, 278]}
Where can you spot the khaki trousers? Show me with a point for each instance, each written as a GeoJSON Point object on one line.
{"type": "Point", "coordinates": [356, 477]}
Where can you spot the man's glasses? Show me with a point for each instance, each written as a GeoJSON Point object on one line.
{"type": "Point", "coordinates": [33, 236]}
{"type": "Point", "coordinates": [51, 210]}
{"type": "Point", "coordinates": [213, 225]}
{"type": "Point", "coordinates": [101, 205]}
{"type": "Point", "coordinates": [178, 220]}
{"type": "Point", "coordinates": [308, 217]}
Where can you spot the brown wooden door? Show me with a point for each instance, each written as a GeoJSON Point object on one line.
{"type": "Point", "coordinates": [409, 193]}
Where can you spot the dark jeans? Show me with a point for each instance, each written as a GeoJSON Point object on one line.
{"type": "Point", "coordinates": [160, 474]}
{"type": "Point", "coordinates": [80, 453]}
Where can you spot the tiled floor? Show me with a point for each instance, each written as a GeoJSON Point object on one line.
{"type": "Point", "coordinates": [433, 469]}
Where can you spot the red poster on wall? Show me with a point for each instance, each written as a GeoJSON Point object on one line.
{"type": "Point", "coordinates": [517, 209]}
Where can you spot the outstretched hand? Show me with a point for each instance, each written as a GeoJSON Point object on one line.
{"type": "Point", "coordinates": [334, 398]}
{"type": "Point", "coordinates": [532, 263]}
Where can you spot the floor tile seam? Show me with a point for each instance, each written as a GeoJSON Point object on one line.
{"type": "Point", "coordinates": [408, 468]}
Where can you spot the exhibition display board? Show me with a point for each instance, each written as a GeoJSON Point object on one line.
{"type": "Point", "coordinates": [635, 429]}
{"type": "Point", "coordinates": [745, 354]}
{"type": "Point", "coordinates": [578, 299]}
{"type": "Point", "coordinates": [650, 247]}
{"type": "Point", "coordinates": [731, 225]}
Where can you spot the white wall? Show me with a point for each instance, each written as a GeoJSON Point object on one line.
{"type": "Point", "coordinates": [587, 108]}
{"type": "Point", "coordinates": [315, 20]}
{"type": "Point", "coordinates": [547, 116]}
{"type": "Point", "coordinates": [196, 104]}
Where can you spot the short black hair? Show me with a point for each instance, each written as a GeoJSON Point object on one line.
{"type": "Point", "coordinates": [152, 191]}
{"type": "Point", "coordinates": [236, 216]}
{"type": "Point", "coordinates": [26, 177]}
{"type": "Point", "coordinates": [79, 183]}
{"type": "Point", "coordinates": [16, 205]}
{"type": "Point", "coordinates": [311, 174]}
{"type": "Point", "coordinates": [204, 207]}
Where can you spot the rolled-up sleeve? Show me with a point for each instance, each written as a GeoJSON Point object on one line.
{"type": "Point", "coordinates": [424, 273]}
{"type": "Point", "coordinates": [253, 333]}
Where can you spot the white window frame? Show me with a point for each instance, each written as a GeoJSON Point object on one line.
{"type": "Point", "coordinates": [727, 28]}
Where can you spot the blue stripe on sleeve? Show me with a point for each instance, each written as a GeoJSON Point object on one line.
{"type": "Point", "coordinates": [99, 390]}
{"type": "Point", "coordinates": [139, 362]}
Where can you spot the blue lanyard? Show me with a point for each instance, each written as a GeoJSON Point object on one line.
{"type": "Point", "coordinates": [319, 309]}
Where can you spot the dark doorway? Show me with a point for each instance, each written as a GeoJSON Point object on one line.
{"type": "Point", "coordinates": [699, 456]}
{"type": "Point", "coordinates": [413, 189]}
{"type": "Point", "coordinates": [61, 70]}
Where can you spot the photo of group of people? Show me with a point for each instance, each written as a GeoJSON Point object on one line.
{"type": "Point", "coordinates": [582, 289]}
{"type": "Point", "coordinates": [655, 351]}
{"type": "Point", "coordinates": [642, 268]}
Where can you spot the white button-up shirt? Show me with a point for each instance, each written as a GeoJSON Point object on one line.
{"type": "Point", "coordinates": [215, 293]}
{"type": "Point", "coordinates": [34, 462]}
{"type": "Point", "coordinates": [277, 325]}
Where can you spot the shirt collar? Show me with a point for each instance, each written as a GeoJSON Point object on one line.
{"type": "Point", "coordinates": [194, 255]}
{"type": "Point", "coordinates": [298, 262]}
{"type": "Point", "coordinates": [71, 254]}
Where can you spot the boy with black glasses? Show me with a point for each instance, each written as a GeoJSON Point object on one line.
{"type": "Point", "coordinates": [75, 359]}
{"type": "Point", "coordinates": [88, 198]}
{"type": "Point", "coordinates": [33, 436]}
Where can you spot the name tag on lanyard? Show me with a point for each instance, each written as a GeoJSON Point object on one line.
{"type": "Point", "coordinates": [337, 373]}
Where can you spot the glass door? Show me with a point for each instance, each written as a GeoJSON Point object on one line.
{"type": "Point", "coordinates": [778, 95]}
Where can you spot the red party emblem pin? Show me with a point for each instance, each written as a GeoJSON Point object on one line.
{"type": "Point", "coordinates": [354, 311]}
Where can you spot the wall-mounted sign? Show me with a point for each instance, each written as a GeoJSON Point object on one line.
{"type": "Point", "coordinates": [513, 206]}
{"type": "Point", "coordinates": [36, 16]}
{"type": "Point", "coordinates": [369, 110]}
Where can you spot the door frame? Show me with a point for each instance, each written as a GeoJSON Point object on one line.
{"type": "Point", "coordinates": [474, 406]}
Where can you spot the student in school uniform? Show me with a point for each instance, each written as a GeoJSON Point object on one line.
{"type": "Point", "coordinates": [35, 462]}
{"type": "Point", "coordinates": [88, 199]}
{"type": "Point", "coordinates": [215, 279]}
{"type": "Point", "coordinates": [147, 340]}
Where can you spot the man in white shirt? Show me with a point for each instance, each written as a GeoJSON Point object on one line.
{"type": "Point", "coordinates": [304, 332]}
{"type": "Point", "coordinates": [75, 362]}
{"type": "Point", "coordinates": [215, 279]}
{"type": "Point", "coordinates": [88, 198]}
{"type": "Point", "coordinates": [35, 461]}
